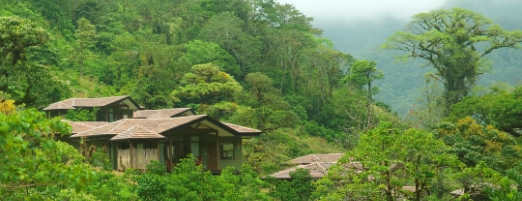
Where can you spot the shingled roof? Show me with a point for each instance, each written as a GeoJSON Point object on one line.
{"type": "Point", "coordinates": [159, 114]}
{"type": "Point", "coordinates": [73, 103]}
{"type": "Point", "coordinates": [137, 132]}
{"type": "Point", "coordinates": [154, 125]}
{"type": "Point", "coordinates": [316, 169]}
{"type": "Point", "coordinates": [311, 158]}
{"type": "Point", "coordinates": [242, 129]}
{"type": "Point", "coordinates": [81, 126]}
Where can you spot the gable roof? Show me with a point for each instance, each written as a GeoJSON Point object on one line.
{"type": "Point", "coordinates": [242, 129]}
{"type": "Point", "coordinates": [137, 132]}
{"type": "Point", "coordinates": [311, 158]}
{"type": "Point", "coordinates": [316, 169]}
{"type": "Point", "coordinates": [159, 114]}
{"type": "Point", "coordinates": [73, 103]}
{"type": "Point", "coordinates": [155, 125]}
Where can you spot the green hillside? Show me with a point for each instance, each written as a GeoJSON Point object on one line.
{"type": "Point", "coordinates": [267, 66]}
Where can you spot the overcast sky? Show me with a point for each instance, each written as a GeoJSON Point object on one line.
{"type": "Point", "coordinates": [362, 9]}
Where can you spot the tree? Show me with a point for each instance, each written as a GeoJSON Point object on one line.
{"type": "Point", "coordinates": [362, 73]}
{"type": "Point", "coordinates": [298, 188]}
{"type": "Point", "coordinates": [206, 84]}
{"type": "Point", "coordinates": [85, 34]}
{"type": "Point", "coordinates": [430, 110]}
{"type": "Point", "coordinates": [474, 143]}
{"type": "Point", "coordinates": [501, 109]}
{"type": "Point", "coordinates": [225, 29]}
{"type": "Point", "coordinates": [455, 42]}
{"type": "Point", "coordinates": [201, 52]}
{"type": "Point", "coordinates": [388, 158]}
{"type": "Point", "coordinates": [259, 86]}
{"type": "Point", "coordinates": [37, 166]}
{"type": "Point", "coordinates": [17, 37]}
{"type": "Point", "coordinates": [24, 63]}
{"type": "Point", "coordinates": [190, 182]}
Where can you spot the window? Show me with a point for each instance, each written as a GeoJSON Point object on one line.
{"type": "Point", "coordinates": [227, 151]}
{"type": "Point", "coordinates": [123, 146]}
{"type": "Point", "coordinates": [194, 146]}
{"type": "Point", "coordinates": [111, 115]}
{"type": "Point", "coordinates": [149, 150]}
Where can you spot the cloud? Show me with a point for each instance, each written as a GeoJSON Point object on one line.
{"type": "Point", "coordinates": [363, 9]}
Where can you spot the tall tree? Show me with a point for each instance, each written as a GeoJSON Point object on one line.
{"type": "Point", "coordinates": [17, 36]}
{"type": "Point", "coordinates": [24, 62]}
{"type": "Point", "coordinates": [364, 73]}
{"type": "Point", "coordinates": [455, 42]}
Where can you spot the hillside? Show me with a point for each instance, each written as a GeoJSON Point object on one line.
{"type": "Point", "coordinates": [403, 86]}
{"type": "Point", "coordinates": [274, 85]}
{"type": "Point", "coordinates": [164, 54]}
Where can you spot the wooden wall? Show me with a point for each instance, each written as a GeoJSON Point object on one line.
{"type": "Point", "coordinates": [137, 155]}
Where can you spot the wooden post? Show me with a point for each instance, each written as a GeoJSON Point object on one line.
{"type": "Point", "coordinates": [218, 155]}
{"type": "Point", "coordinates": [169, 154]}
{"type": "Point", "coordinates": [131, 155]}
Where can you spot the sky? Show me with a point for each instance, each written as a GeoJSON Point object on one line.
{"type": "Point", "coordinates": [348, 10]}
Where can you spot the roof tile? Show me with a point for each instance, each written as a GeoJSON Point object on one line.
{"type": "Point", "coordinates": [155, 125]}
{"type": "Point", "coordinates": [310, 158]}
{"type": "Point", "coordinates": [73, 103]}
{"type": "Point", "coordinates": [137, 132]}
{"type": "Point", "coordinates": [241, 129]}
{"type": "Point", "coordinates": [159, 114]}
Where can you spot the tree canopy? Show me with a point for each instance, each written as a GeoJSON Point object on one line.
{"type": "Point", "coordinates": [454, 42]}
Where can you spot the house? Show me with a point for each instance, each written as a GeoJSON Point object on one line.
{"type": "Point", "coordinates": [107, 108]}
{"type": "Point", "coordinates": [132, 137]}
{"type": "Point", "coordinates": [321, 158]}
{"type": "Point", "coordinates": [316, 164]}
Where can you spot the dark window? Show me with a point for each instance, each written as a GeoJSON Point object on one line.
{"type": "Point", "coordinates": [227, 151]}
{"type": "Point", "coordinates": [123, 146]}
{"type": "Point", "coordinates": [194, 146]}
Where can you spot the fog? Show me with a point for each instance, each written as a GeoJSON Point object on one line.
{"type": "Point", "coordinates": [360, 27]}
{"type": "Point", "coordinates": [348, 10]}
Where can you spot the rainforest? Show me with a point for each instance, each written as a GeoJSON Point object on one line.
{"type": "Point", "coordinates": [427, 107]}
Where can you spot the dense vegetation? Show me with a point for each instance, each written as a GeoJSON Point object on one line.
{"type": "Point", "coordinates": [363, 38]}
{"type": "Point", "coordinates": [256, 63]}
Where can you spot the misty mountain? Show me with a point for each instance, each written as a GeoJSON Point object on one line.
{"type": "Point", "coordinates": [403, 82]}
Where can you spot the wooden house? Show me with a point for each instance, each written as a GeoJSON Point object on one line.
{"type": "Point", "coordinates": [107, 108]}
{"type": "Point", "coordinates": [166, 135]}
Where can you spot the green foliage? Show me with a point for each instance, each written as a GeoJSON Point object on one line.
{"type": "Point", "coordinates": [474, 143]}
{"type": "Point", "coordinates": [386, 159]}
{"type": "Point", "coordinates": [483, 183]}
{"type": "Point", "coordinates": [299, 188]}
{"type": "Point", "coordinates": [189, 181]}
{"type": "Point", "coordinates": [206, 84]}
{"type": "Point", "coordinates": [363, 73]}
{"type": "Point", "coordinates": [202, 52]}
{"type": "Point", "coordinates": [454, 42]}
{"type": "Point", "coordinates": [268, 152]}
{"type": "Point", "coordinates": [17, 37]}
{"type": "Point", "coordinates": [23, 62]}
{"type": "Point", "coordinates": [257, 63]}
{"type": "Point", "coordinates": [501, 109]}
{"type": "Point", "coordinates": [36, 166]}
{"type": "Point", "coordinates": [81, 115]}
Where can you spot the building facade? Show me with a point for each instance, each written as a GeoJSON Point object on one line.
{"type": "Point", "coordinates": [133, 137]}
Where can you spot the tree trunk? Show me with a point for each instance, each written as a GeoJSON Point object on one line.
{"type": "Point", "coordinates": [369, 103]}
